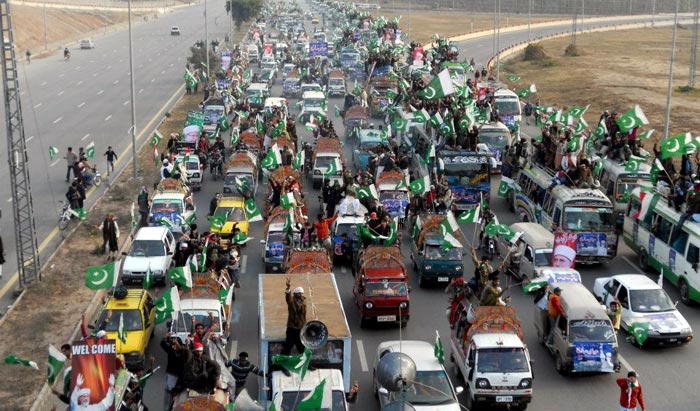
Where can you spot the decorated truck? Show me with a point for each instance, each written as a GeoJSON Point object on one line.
{"type": "Point", "coordinates": [307, 261]}
{"type": "Point", "coordinates": [172, 204]}
{"type": "Point", "coordinates": [327, 154]}
{"type": "Point", "coordinates": [393, 193]}
{"type": "Point", "coordinates": [277, 237]}
{"type": "Point", "coordinates": [431, 259]}
{"type": "Point", "coordinates": [243, 168]}
{"type": "Point", "coordinates": [381, 285]}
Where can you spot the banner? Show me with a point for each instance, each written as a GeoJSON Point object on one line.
{"type": "Point", "coordinates": [93, 377]}
{"type": "Point", "coordinates": [592, 244]}
{"type": "Point", "coordinates": [318, 49]}
{"type": "Point", "coordinates": [565, 249]}
{"type": "Point", "coordinates": [593, 357]}
{"type": "Point", "coordinates": [191, 134]}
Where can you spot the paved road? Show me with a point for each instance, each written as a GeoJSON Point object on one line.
{"type": "Point", "coordinates": [552, 391]}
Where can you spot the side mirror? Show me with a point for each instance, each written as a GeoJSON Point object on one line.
{"type": "Point", "coordinates": [383, 391]}
{"type": "Point", "coordinates": [471, 363]}
{"type": "Point", "coordinates": [459, 389]}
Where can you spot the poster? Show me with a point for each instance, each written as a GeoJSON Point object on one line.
{"type": "Point", "coordinates": [565, 249]}
{"type": "Point", "coordinates": [593, 357]}
{"type": "Point", "coordinates": [191, 134]}
{"type": "Point", "coordinates": [94, 376]}
{"type": "Point", "coordinates": [318, 49]}
{"type": "Point", "coordinates": [594, 244]}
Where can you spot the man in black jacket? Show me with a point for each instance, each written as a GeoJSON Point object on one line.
{"type": "Point", "coordinates": [172, 345]}
{"type": "Point", "coordinates": [240, 369]}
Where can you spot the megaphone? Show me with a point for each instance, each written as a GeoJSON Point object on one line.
{"type": "Point", "coordinates": [314, 335]}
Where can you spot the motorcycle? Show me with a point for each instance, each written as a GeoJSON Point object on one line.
{"type": "Point", "coordinates": [95, 180]}
{"type": "Point", "coordinates": [67, 214]}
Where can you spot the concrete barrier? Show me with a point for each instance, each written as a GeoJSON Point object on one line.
{"type": "Point", "coordinates": [114, 6]}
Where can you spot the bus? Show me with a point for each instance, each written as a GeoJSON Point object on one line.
{"type": "Point", "coordinates": [585, 211]}
{"type": "Point", "coordinates": [662, 243]}
{"type": "Point", "coordinates": [615, 182]}
{"type": "Point", "coordinates": [509, 110]}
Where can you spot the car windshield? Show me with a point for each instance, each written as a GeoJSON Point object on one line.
{"type": "Point", "coordinates": [313, 102]}
{"type": "Point", "coordinates": [212, 115]}
{"type": "Point", "coordinates": [323, 162]}
{"type": "Point", "coordinates": [508, 107]}
{"type": "Point", "coordinates": [386, 289]}
{"type": "Point", "coordinates": [275, 237]}
{"type": "Point", "coordinates": [591, 331]}
{"type": "Point", "coordinates": [502, 360]}
{"type": "Point", "coordinates": [183, 323]}
{"type": "Point", "coordinates": [429, 387]}
{"type": "Point", "coordinates": [543, 258]}
{"type": "Point", "coordinates": [436, 252]}
{"type": "Point", "coordinates": [166, 207]}
{"type": "Point", "coordinates": [290, 399]}
{"type": "Point", "coordinates": [589, 218]}
{"type": "Point", "coordinates": [231, 179]}
{"type": "Point", "coordinates": [132, 320]}
{"type": "Point", "coordinates": [626, 185]}
{"type": "Point", "coordinates": [310, 87]}
{"type": "Point", "coordinates": [336, 81]}
{"type": "Point", "coordinates": [466, 169]}
{"type": "Point", "coordinates": [266, 75]}
{"type": "Point", "coordinates": [234, 213]}
{"type": "Point", "coordinates": [650, 301]}
{"type": "Point", "coordinates": [192, 165]}
{"type": "Point", "coordinates": [393, 195]}
{"type": "Point", "coordinates": [348, 229]}
{"type": "Point", "coordinates": [147, 248]}
{"type": "Point", "coordinates": [494, 139]}
{"type": "Point", "coordinates": [369, 144]}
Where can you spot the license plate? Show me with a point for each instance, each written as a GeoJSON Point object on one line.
{"type": "Point", "coordinates": [386, 318]}
{"type": "Point", "coordinates": [672, 339]}
{"type": "Point", "coordinates": [504, 398]}
{"type": "Point", "coordinates": [443, 279]}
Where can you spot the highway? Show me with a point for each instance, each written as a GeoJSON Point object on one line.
{"type": "Point", "coordinates": [552, 391]}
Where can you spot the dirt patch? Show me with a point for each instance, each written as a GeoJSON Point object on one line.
{"type": "Point", "coordinates": [619, 69]}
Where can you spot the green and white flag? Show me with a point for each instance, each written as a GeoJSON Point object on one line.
{"type": "Point", "coordinates": [181, 275]}
{"type": "Point", "coordinates": [53, 151]}
{"type": "Point", "coordinates": [168, 304]}
{"type": "Point", "coordinates": [121, 331]}
{"type": "Point", "coordinates": [216, 223]}
{"type": "Point", "coordinates": [223, 123]}
{"type": "Point", "coordinates": [430, 153]}
{"type": "Point", "coordinates": [513, 78]}
{"type": "Point", "coordinates": [297, 364]}
{"type": "Point", "coordinates": [639, 331]}
{"type": "Point", "coordinates": [226, 295]}
{"type": "Point", "coordinates": [289, 222]}
{"type": "Point", "coordinates": [450, 241]}
{"type": "Point", "coordinates": [600, 131]}
{"type": "Point", "coordinates": [155, 138]}
{"type": "Point", "coordinates": [240, 238]}
{"type": "Point", "coordinates": [11, 359]}
{"type": "Point", "coordinates": [287, 200]}
{"type": "Point", "coordinates": [334, 167]}
{"type": "Point", "coordinates": [675, 146]}
{"type": "Point", "coordinates": [440, 86]}
{"type": "Point", "coordinates": [656, 169]}
{"type": "Point", "coordinates": [102, 277]}
{"type": "Point", "coordinates": [259, 125]}
{"type": "Point", "coordinates": [527, 91]}
{"type": "Point", "coordinates": [90, 150]}
{"type": "Point", "coordinates": [190, 79]}
{"type": "Point", "coordinates": [299, 160]}
{"type": "Point", "coordinates": [369, 191]}
{"type": "Point", "coordinates": [506, 186]}
{"type": "Point", "coordinates": [251, 211]}
{"type": "Point", "coordinates": [438, 351]}
{"type": "Point", "coordinates": [235, 136]}
{"type": "Point", "coordinates": [645, 134]}
{"type": "Point", "coordinates": [632, 165]}
{"type": "Point", "coordinates": [436, 120]}
{"type": "Point", "coordinates": [634, 117]}
{"type": "Point", "coordinates": [493, 229]}
{"type": "Point", "coordinates": [148, 279]}
{"type": "Point", "coordinates": [576, 111]}
{"type": "Point", "coordinates": [534, 285]}
{"type": "Point", "coordinates": [55, 364]}
{"type": "Point", "coordinates": [421, 116]}
{"type": "Point", "coordinates": [81, 213]}
{"type": "Point", "coordinates": [399, 123]}
{"type": "Point", "coordinates": [580, 126]}
{"type": "Point", "coordinates": [242, 185]}
{"type": "Point", "coordinates": [272, 159]}
{"type": "Point", "coordinates": [466, 121]}
{"type": "Point", "coordinates": [420, 186]}
{"type": "Point", "coordinates": [320, 398]}
{"type": "Point", "coordinates": [165, 222]}
{"type": "Point", "coordinates": [449, 224]}
{"type": "Point", "coordinates": [470, 216]}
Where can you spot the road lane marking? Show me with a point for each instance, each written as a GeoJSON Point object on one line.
{"type": "Point", "coordinates": [624, 363]}
{"type": "Point", "coordinates": [80, 82]}
{"type": "Point", "coordinates": [100, 92]}
{"type": "Point", "coordinates": [140, 91]}
{"type": "Point", "coordinates": [81, 104]}
{"type": "Point", "coordinates": [115, 82]}
{"type": "Point", "coordinates": [108, 117]}
{"type": "Point", "coordinates": [244, 264]}
{"type": "Point", "coordinates": [9, 200]}
{"type": "Point", "coordinates": [60, 93]}
{"type": "Point", "coordinates": [125, 103]}
{"type": "Point", "coordinates": [43, 84]}
{"type": "Point", "coordinates": [633, 265]}
{"type": "Point", "coordinates": [37, 105]}
{"type": "Point", "coordinates": [85, 137]}
{"type": "Point", "coordinates": [57, 120]}
{"type": "Point", "coordinates": [55, 162]}
{"type": "Point", "coordinates": [30, 138]}
{"type": "Point", "coordinates": [361, 354]}
{"type": "Point", "coordinates": [343, 270]}
{"type": "Point", "coordinates": [232, 347]}
{"type": "Point", "coordinates": [61, 75]}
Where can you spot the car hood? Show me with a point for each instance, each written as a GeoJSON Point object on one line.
{"type": "Point", "coordinates": [133, 341]}
{"type": "Point", "coordinates": [666, 322]}
{"type": "Point", "coordinates": [453, 406]}
{"type": "Point", "coordinates": [142, 263]}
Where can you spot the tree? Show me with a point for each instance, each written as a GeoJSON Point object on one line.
{"type": "Point", "coordinates": [244, 10]}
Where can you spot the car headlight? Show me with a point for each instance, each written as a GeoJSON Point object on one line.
{"type": "Point", "coordinates": [525, 383]}
{"type": "Point", "coordinates": [483, 383]}
{"type": "Point", "coordinates": [427, 268]}
{"type": "Point", "coordinates": [126, 272]}
{"type": "Point", "coordinates": [458, 268]}
{"type": "Point", "coordinates": [369, 305]}
{"type": "Point", "coordinates": [686, 330]}
{"type": "Point", "coordinates": [195, 175]}
{"type": "Point", "coordinates": [158, 272]}
{"type": "Point", "coordinates": [317, 172]}
{"type": "Point", "coordinates": [403, 305]}
{"type": "Point", "coordinates": [653, 331]}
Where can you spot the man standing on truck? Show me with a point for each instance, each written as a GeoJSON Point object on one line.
{"type": "Point", "coordinates": [240, 369]}
{"type": "Point", "coordinates": [296, 318]}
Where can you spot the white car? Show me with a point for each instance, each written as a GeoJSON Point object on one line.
{"type": "Point", "coordinates": [432, 389]}
{"type": "Point", "coordinates": [194, 170]}
{"type": "Point", "coordinates": [86, 44]}
{"type": "Point", "coordinates": [644, 304]}
{"type": "Point", "coordinates": [174, 31]}
{"type": "Point", "coordinates": [152, 249]}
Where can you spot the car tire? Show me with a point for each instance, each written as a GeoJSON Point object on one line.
{"type": "Point", "coordinates": [559, 364]}
{"type": "Point", "coordinates": [684, 291]}
{"type": "Point", "coordinates": [363, 322]}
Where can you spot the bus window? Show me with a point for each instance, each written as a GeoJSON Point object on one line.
{"type": "Point", "coordinates": [693, 255]}
{"type": "Point", "coordinates": [680, 239]}
{"type": "Point", "coordinates": [665, 228]}
{"type": "Point", "coordinates": [633, 208]}
{"type": "Point", "coordinates": [557, 215]}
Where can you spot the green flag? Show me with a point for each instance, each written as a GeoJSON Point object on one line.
{"type": "Point", "coordinates": [505, 187]}
{"type": "Point", "coordinates": [634, 117]}
{"type": "Point", "coordinates": [675, 146]}
{"type": "Point", "coordinates": [633, 163]}
{"type": "Point", "coordinates": [272, 159]}
{"type": "Point", "coordinates": [226, 295]}
{"type": "Point", "coordinates": [656, 168]}
{"type": "Point", "coordinates": [190, 79]}
{"type": "Point", "coordinates": [102, 277]}
{"type": "Point", "coordinates": [580, 126]}
{"type": "Point", "coordinates": [450, 241]}
{"type": "Point", "coordinates": [334, 167]}
{"type": "Point", "coordinates": [90, 150]}
{"type": "Point", "coordinates": [438, 351]}
{"type": "Point", "coordinates": [155, 138]}
{"type": "Point", "coordinates": [53, 151]}
{"type": "Point", "coordinates": [449, 224]}
{"type": "Point", "coordinates": [576, 111]}
{"type": "Point", "coordinates": [11, 359]}
{"type": "Point", "coordinates": [369, 191]}
{"type": "Point", "coordinates": [242, 186]}
{"type": "Point", "coordinates": [251, 211]}
{"type": "Point", "coordinates": [223, 123]}
{"type": "Point", "coordinates": [259, 125]}
{"type": "Point", "coordinates": [421, 116]}
{"type": "Point", "coordinates": [181, 275]}
{"type": "Point", "coordinates": [240, 238]}
{"type": "Point", "coordinates": [287, 200]}
{"type": "Point", "coordinates": [513, 78]}
{"type": "Point", "coordinates": [469, 216]}
{"type": "Point", "coordinates": [493, 229]}
{"type": "Point", "coordinates": [639, 331]}
{"type": "Point", "coordinates": [216, 223]}
{"type": "Point", "coordinates": [55, 364]}
{"type": "Point", "coordinates": [318, 399]}
{"type": "Point", "coordinates": [600, 131]}
{"type": "Point", "coordinates": [645, 134]}
{"type": "Point", "coordinates": [534, 285]}
{"type": "Point", "coordinates": [420, 186]}
{"type": "Point", "coordinates": [599, 166]}
{"type": "Point", "coordinates": [148, 279]}
{"type": "Point", "coordinates": [235, 137]}
{"type": "Point", "coordinates": [297, 364]}
{"type": "Point", "coordinates": [122, 333]}
{"type": "Point", "coordinates": [440, 86]}
{"type": "Point", "coordinates": [167, 304]}
{"type": "Point", "coordinates": [81, 213]}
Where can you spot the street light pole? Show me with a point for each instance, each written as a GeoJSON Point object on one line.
{"type": "Point", "coordinates": [495, 13]}
{"type": "Point", "coordinates": [132, 97]}
{"type": "Point", "coordinates": [529, 18]}
{"type": "Point", "coordinates": [206, 39]}
{"type": "Point", "coordinates": [409, 20]}
{"type": "Point", "coordinates": [498, 41]}
{"type": "Point", "coordinates": [669, 89]}
{"type": "Point", "coordinates": [46, 44]}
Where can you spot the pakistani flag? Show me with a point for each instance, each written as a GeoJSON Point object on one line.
{"type": "Point", "coordinates": [216, 223]}
{"type": "Point", "coordinates": [278, 129]}
{"type": "Point", "coordinates": [576, 111]}
{"type": "Point", "coordinates": [470, 216]}
{"type": "Point", "coordinates": [645, 135]}
{"type": "Point", "coordinates": [259, 125]}
{"type": "Point", "coordinates": [190, 79]}
{"type": "Point", "coordinates": [436, 120]}
{"type": "Point", "coordinates": [90, 150]}
{"type": "Point", "coordinates": [319, 398]}
{"type": "Point", "coordinates": [493, 229]}
{"type": "Point", "coordinates": [656, 168]}
{"type": "Point", "coordinates": [600, 131]}
{"type": "Point", "coordinates": [440, 86]}
{"type": "Point", "coordinates": [369, 191]}
{"type": "Point", "coordinates": [399, 123]}
{"type": "Point", "coordinates": [447, 128]}
{"type": "Point", "coordinates": [297, 364]}
{"type": "Point", "coordinates": [429, 154]}
{"type": "Point", "coordinates": [527, 91]}
{"type": "Point", "coordinates": [168, 304]}
{"type": "Point", "coordinates": [287, 200]}
{"type": "Point", "coordinates": [632, 165]}
{"type": "Point", "coordinates": [55, 364]}
{"type": "Point", "coordinates": [240, 238]}
{"type": "Point", "coordinates": [334, 167]}
{"type": "Point", "coordinates": [438, 351]}
{"type": "Point", "coordinates": [580, 127]}
{"type": "Point", "coordinates": [181, 275]}
{"type": "Point", "coordinates": [599, 166]}
{"type": "Point", "coordinates": [251, 211]}
{"type": "Point", "coordinates": [534, 285]}
{"type": "Point", "coordinates": [102, 277]}
{"type": "Point", "coordinates": [235, 137]}
{"type": "Point", "coordinates": [450, 241]}
{"type": "Point", "coordinates": [466, 121]}
{"type": "Point", "coordinates": [223, 123]}
{"type": "Point", "coordinates": [631, 119]}
{"type": "Point", "coordinates": [449, 224]}
{"type": "Point", "coordinates": [242, 185]}
{"type": "Point", "coordinates": [420, 186]}
{"type": "Point", "coordinates": [11, 359]}
{"type": "Point", "coordinates": [421, 116]}
{"type": "Point", "coordinates": [226, 295]}
{"type": "Point", "coordinates": [53, 151]}
{"type": "Point", "coordinates": [81, 213]}
{"type": "Point", "coordinates": [506, 186]}
{"type": "Point", "coordinates": [148, 279]}
{"type": "Point", "coordinates": [513, 78]}
{"type": "Point", "coordinates": [121, 331]}
{"type": "Point", "coordinates": [272, 159]}
{"type": "Point", "coordinates": [639, 331]}
{"type": "Point", "coordinates": [676, 146]}
{"type": "Point", "coordinates": [289, 222]}
{"type": "Point", "coordinates": [155, 138]}
{"type": "Point", "coordinates": [242, 114]}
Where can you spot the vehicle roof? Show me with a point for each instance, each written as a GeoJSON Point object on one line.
{"type": "Point", "coordinates": [276, 101]}
{"type": "Point", "coordinates": [256, 86]}
{"type": "Point", "coordinates": [636, 282]}
{"type": "Point", "coordinates": [150, 233]}
{"type": "Point", "coordinates": [579, 303]}
{"type": "Point", "coordinates": [313, 94]}
{"type": "Point", "coordinates": [502, 340]}
{"type": "Point", "coordinates": [169, 195]}
{"type": "Point", "coordinates": [565, 193]}
{"type": "Point", "coordinates": [312, 378]}
{"type": "Point", "coordinates": [370, 135]}
{"type": "Point", "coordinates": [615, 169]}
{"type": "Point", "coordinates": [505, 93]}
{"type": "Point", "coordinates": [392, 273]}
{"type": "Point", "coordinates": [131, 301]}
{"type": "Point", "coordinates": [495, 126]}
{"type": "Point", "coordinates": [231, 202]}
{"type": "Point", "coordinates": [350, 219]}
{"type": "Point", "coordinates": [421, 352]}
{"type": "Point", "coordinates": [663, 209]}
{"type": "Point", "coordinates": [534, 234]}
{"type": "Point", "coordinates": [190, 159]}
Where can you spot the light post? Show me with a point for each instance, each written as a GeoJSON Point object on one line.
{"type": "Point", "coordinates": [133, 102]}
{"type": "Point", "coordinates": [669, 89]}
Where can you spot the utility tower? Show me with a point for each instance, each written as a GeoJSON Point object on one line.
{"type": "Point", "coordinates": [25, 232]}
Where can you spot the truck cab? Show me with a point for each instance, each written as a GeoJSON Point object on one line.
{"type": "Point", "coordinates": [336, 83]}
{"type": "Point", "coordinates": [381, 286]}
{"type": "Point", "coordinates": [312, 103]}
{"type": "Point", "coordinates": [288, 391]}
{"type": "Point", "coordinates": [368, 140]}
{"type": "Point", "coordinates": [432, 262]}
{"type": "Point", "coordinates": [242, 165]}
{"type": "Point", "coordinates": [496, 136]}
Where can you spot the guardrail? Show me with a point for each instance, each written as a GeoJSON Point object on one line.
{"type": "Point", "coordinates": [106, 5]}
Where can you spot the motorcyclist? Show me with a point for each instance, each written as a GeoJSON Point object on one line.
{"type": "Point", "coordinates": [216, 160]}
{"type": "Point", "coordinates": [66, 53]}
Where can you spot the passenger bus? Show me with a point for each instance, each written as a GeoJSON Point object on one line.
{"type": "Point", "coordinates": [584, 211]}
{"type": "Point", "coordinates": [509, 110]}
{"type": "Point", "coordinates": [615, 182]}
{"type": "Point", "coordinates": [662, 243]}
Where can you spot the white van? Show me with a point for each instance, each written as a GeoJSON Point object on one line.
{"type": "Point", "coordinates": [496, 136]}
{"type": "Point", "coordinates": [534, 251]}
{"type": "Point", "coordinates": [508, 105]}
{"type": "Point", "coordinates": [287, 392]}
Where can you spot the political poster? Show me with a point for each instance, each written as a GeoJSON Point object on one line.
{"type": "Point", "coordinates": [318, 49]}
{"type": "Point", "coordinates": [94, 376]}
{"type": "Point", "coordinates": [565, 249]}
{"type": "Point", "coordinates": [594, 244]}
{"type": "Point", "coordinates": [593, 357]}
{"type": "Point", "coordinates": [191, 134]}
